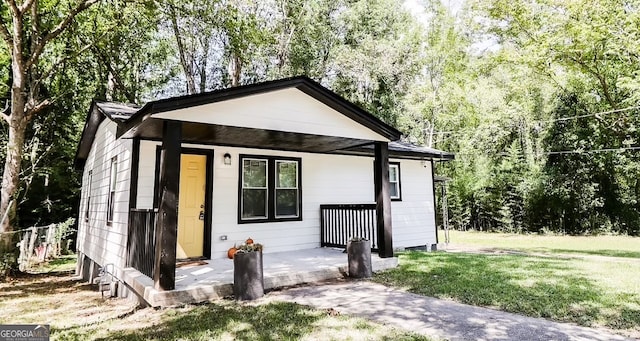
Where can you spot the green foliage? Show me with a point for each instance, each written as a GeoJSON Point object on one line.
{"type": "Point", "coordinates": [366, 51]}
{"type": "Point", "coordinates": [521, 165]}
{"type": "Point", "coordinates": [111, 51]}
{"type": "Point", "coordinates": [491, 83]}
{"type": "Point", "coordinates": [377, 59]}
{"type": "Point", "coordinates": [253, 247]}
{"type": "Point", "coordinates": [8, 255]}
{"type": "Point", "coordinates": [589, 192]}
{"type": "Point", "coordinates": [65, 229]}
{"type": "Point", "coordinates": [50, 184]}
{"type": "Point", "coordinates": [126, 56]}
{"type": "Point", "coordinates": [307, 37]}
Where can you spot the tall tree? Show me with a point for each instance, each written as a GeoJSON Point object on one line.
{"type": "Point", "coordinates": [28, 29]}
{"type": "Point", "coordinates": [543, 122]}
{"type": "Point", "coordinates": [597, 39]}
{"type": "Point", "coordinates": [444, 74]}
{"type": "Point", "coordinates": [124, 61]}
{"type": "Point", "coordinates": [376, 60]}
{"type": "Point", "coordinates": [194, 30]}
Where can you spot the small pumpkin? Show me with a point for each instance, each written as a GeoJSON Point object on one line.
{"type": "Point", "coordinates": [232, 252]}
{"type": "Point", "coordinates": [249, 241]}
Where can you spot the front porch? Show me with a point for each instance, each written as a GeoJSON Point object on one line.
{"type": "Point", "coordinates": [213, 279]}
{"type": "Point", "coordinates": [245, 125]}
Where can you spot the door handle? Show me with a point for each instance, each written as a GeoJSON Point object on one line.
{"type": "Point", "coordinates": [201, 216]}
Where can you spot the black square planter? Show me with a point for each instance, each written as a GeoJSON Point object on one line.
{"type": "Point", "coordinates": [248, 279]}
{"type": "Point", "coordinates": [359, 257]}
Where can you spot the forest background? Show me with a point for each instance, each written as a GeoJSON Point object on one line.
{"type": "Point", "coordinates": [538, 99]}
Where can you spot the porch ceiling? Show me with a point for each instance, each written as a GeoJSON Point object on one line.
{"type": "Point", "coordinates": [211, 134]}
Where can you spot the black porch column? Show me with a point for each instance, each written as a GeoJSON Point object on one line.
{"type": "Point", "coordinates": [133, 197]}
{"type": "Point", "coordinates": [164, 275]}
{"type": "Point", "coordinates": [383, 199]}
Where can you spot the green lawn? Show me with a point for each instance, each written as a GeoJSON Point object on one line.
{"type": "Point", "coordinates": [546, 278]}
{"type": "Point", "coordinates": [76, 311]}
{"type": "Point", "coordinates": [617, 246]}
{"type": "Point", "coordinates": [66, 263]}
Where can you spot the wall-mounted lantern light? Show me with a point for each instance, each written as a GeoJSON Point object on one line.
{"type": "Point", "coordinates": [227, 159]}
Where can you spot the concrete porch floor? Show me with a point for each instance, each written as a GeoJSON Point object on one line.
{"type": "Point", "coordinates": [214, 280]}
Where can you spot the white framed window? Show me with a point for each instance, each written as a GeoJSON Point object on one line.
{"type": "Point", "coordinates": [287, 193]}
{"type": "Point", "coordinates": [113, 175]}
{"type": "Point", "coordinates": [394, 181]}
{"type": "Point", "coordinates": [255, 190]}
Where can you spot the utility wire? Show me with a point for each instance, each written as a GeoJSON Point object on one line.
{"type": "Point", "coordinates": [550, 120]}
{"type": "Point", "coordinates": [590, 115]}
{"type": "Point", "coordinates": [576, 151]}
{"type": "Point", "coordinates": [591, 150]}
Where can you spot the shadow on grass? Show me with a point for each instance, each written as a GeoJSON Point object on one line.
{"type": "Point", "coordinates": [274, 321]}
{"type": "Point", "coordinates": [42, 284]}
{"type": "Point", "coordinates": [62, 264]}
{"type": "Point", "coordinates": [534, 286]}
{"type": "Point", "coordinates": [609, 253]}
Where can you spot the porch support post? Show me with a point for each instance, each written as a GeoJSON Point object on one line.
{"type": "Point", "coordinates": [383, 199]}
{"type": "Point", "coordinates": [133, 195]}
{"type": "Point", "coordinates": [164, 275]}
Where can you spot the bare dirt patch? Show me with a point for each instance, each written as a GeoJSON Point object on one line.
{"type": "Point", "coordinates": [76, 311]}
{"type": "Point", "coordinates": [59, 300]}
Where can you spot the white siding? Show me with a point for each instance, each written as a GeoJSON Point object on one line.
{"type": "Point", "coordinates": [146, 174]}
{"type": "Point", "coordinates": [285, 110]}
{"type": "Point", "coordinates": [413, 218]}
{"type": "Point", "coordinates": [105, 243]}
{"type": "Point", "coordinates": [326, 179]}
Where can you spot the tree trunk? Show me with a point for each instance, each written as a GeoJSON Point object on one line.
{"type": "Point", "coordinates": [25, 101]}
{"type": "Point", "coordinates": [203, 67]}
{"type": "Point", "coordinates": [186, 62]}
{"type": "Point", "coordinates": [13, 163]}
{"type": "Point", "coordinates": [235, 69]}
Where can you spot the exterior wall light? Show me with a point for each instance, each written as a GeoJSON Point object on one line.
{"type": "Point", "coordinates": [227, 159]}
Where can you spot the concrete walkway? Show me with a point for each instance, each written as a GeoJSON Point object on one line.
{"type": "Point", "coordinates": [433, 317]}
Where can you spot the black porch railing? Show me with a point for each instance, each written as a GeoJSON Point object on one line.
{"type": "Point", "coordinates": [339, 223]}
{"type": "Point", "coordinates": [141, 244]}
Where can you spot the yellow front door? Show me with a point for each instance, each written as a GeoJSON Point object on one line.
{"type": "Point", "coordinates": [191, 206]}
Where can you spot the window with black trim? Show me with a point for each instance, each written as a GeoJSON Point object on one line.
{"type": "Point", "coordinates": [90, 184]}
{"type": "Point", "coordinates": [112, 188]}
{"type": "Point", "coordinates": [394, 181]}
{"type": "Point", "coordinates": [269, 189]}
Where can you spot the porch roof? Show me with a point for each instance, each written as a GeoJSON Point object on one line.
{"type": "Point", "coordinates": [405, 150]}
{"type": "Point", "coordinates": [146, 122]}
{"type": "Point", "coordinates": [302, 83]}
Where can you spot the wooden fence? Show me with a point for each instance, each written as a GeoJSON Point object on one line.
{"type": "Point", "coordinates": [39, 243]}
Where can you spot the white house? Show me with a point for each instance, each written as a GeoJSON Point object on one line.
{"type": "Point", "coordinates": [203, 172]}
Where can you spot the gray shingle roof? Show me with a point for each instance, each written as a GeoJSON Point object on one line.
{"type": "Point", "coordinates": [118, 111]}
{"type": "Point", "coordinates": [401, 146]}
